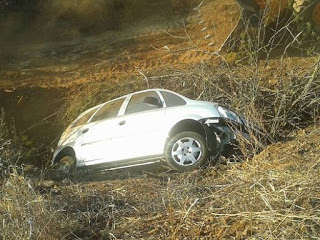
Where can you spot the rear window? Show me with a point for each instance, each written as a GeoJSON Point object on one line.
{"type": "Point", "coordinates": [172, 100]}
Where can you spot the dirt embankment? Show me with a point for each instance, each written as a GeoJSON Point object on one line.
{"type": "Point", "coordinates": [156, 41]}
{"type": "Point", "coordinates": [44, 52]}
{"type": "Point", "coordinates": [34, 112]}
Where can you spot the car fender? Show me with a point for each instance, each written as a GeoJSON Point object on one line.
{"type": "Point", "coordinates": [60, 151]}
{"type": "Point", "coordinates": [209, 135]}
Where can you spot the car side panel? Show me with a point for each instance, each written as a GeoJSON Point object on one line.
{"type": "Point", "coordinates": [194, 112]}
{"type": "Point", "coordinates": [141, 134]}
{"type": "Point", "coordinates": [95, 145]}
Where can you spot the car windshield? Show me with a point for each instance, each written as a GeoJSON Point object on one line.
{"type": "Point", "coordinates": [85, 118]}
{"type": "Point", "coordinates": [109, 110]}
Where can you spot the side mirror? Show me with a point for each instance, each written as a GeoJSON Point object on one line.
{"type": "Point", "coordinates": [152, 101]}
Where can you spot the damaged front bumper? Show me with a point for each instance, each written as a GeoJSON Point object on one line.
{"type": "Point", "coordinates": [221, 132]}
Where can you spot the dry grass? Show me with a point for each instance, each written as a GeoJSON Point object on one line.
{"type": "Point", "coordinates": [276, 195]}
{"type": "Point", "coordinates": [25, 214]}
{"type": "Point", "coordinates": [10, 151]}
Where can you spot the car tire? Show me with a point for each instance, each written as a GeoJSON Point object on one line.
{"type": "Point", "coordinates": [66, 165]}
{"type": "Point", "coordinates": [186, 151]}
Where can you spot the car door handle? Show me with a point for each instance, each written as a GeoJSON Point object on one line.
{"type": "Point", "coordinates": [85, 130]}
{"type": "Point", "coordinates": [122, 122]}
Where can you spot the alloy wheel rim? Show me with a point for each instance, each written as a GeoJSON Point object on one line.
{"type": "Point", "coordinates": [186, 151]}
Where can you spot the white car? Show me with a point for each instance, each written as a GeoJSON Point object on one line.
{"type": "Point", "coordinates": [145, 127]}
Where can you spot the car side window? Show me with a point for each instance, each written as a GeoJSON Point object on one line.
{"type": "Point", "coordinates": [172, 100]}
{"type": "Point", "coordinates": [109, 110]}
{"type": "Point", "coordinates": [85, 118]}
{"type": "Point", "coordinates": [143, 102]}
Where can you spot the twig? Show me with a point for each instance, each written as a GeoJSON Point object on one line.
{"type": "Point", "coordinates": [145, 78]}
{"type": "Point", "coordinates": [186, 214]}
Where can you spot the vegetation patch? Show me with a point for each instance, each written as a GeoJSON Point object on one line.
{"type": "Point", "coordinates": [274, 195]}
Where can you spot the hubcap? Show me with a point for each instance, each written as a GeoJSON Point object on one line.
{"type": "Point", "coordinates": [186, 151]}
{"type": "Point", "coordinates": [316, 15]}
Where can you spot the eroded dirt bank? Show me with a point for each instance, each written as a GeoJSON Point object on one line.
{"type": "Point", "coordinates": [35, 112]}
{"type": "Point", "coordinates": [149, 42]}
{"type": "Point", "coordinates": [48, 53]}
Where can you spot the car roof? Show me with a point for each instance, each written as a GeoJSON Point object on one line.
{"type": "Point", "coordinates": [149, 90]}
{"type": "Point", "coordinates": [124, 96]}
{"type": "Point", "coordinates": [155, 89]}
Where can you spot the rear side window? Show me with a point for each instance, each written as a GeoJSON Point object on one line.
{"type": "Point", "coordinates": [143, 102]}
{"type": "Point", "coordinates": [85, 118]}
{"type": "Point", "coordinates": [109, 110]}
{"type": "Point", "coordinates": [172, 100]}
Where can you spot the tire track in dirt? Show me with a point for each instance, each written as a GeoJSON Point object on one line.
{"type": "Point", "coordinates": [113, 55]}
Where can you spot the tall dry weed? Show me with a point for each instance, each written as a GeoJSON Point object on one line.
{"type": "Point", "coordinates": [10, 149]}
{"type": "Point", "coordinates": [25, 214]}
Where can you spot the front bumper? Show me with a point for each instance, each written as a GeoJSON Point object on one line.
{"type": "Point", "coordinates": [221, 132]}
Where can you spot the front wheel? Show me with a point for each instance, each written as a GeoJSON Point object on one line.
{"type": "Point", "coordinates": [186, 151]}
{"type": "Point", "coordinates": [66, 165]}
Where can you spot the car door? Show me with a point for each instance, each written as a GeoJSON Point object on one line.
{"type": "Point", "coordinates": [174, 110]}
{"type": "Point", "coordinates": [97, 136]}
{"type": "Point", "coordinates": [141, 132]}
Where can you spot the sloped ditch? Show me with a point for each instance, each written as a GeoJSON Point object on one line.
{"type": "Point", "coordinates": [34, 112]}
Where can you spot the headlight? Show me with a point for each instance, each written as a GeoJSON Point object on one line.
{"type": "Point", "coordinates": [227, 113]}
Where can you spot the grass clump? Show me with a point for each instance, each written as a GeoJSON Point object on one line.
{"type": "Point", "coordinates": [10, 150]}
{"type": "Point", "coordinates": [24, 212]}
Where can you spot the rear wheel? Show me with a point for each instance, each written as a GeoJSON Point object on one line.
{"type": "Point", "coordinates": [186, 151]}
